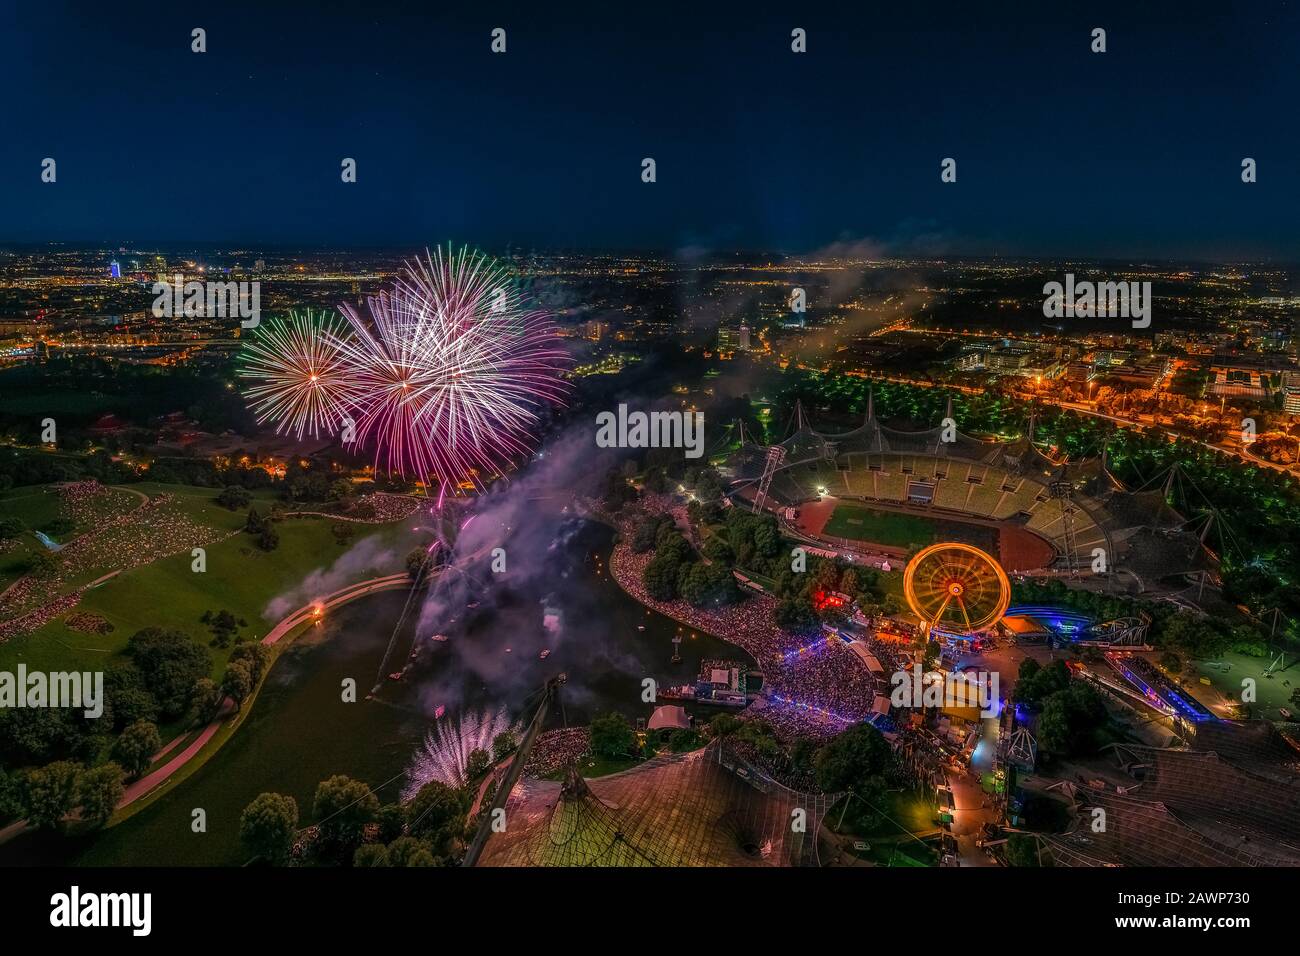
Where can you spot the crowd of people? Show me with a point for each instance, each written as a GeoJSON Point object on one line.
{"type": "Point", "coordinates": [26, 623]}
{"type": "Point", "coordinates": [555, 749]}
{"type": "Point", "coordinates": [90, 504]}
{"type": "Point", "coordinates": [117, 539]}
{"type": "Point", "coordinates": [813, 694]}
{"type": "Point", "coordinates": [381, 507]}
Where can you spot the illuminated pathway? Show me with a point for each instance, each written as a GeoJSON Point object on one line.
{"type": "Point", "coordinates": [149, 783]}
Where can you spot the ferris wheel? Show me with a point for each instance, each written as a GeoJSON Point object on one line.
{"type": "Point", "coordinates": [957, 588]}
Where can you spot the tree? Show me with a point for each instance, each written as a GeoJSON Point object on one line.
{"type": "Point", "coordinates": [99, 790]}
{"type": "Point", "coordinates": [169, 663]}
{"type": "Point", "coordinates": [717, 549]}
{"type": "Point", "coordinates": [417, 563]}
{"type": "Point", "coordinates": [254, 523]}
{"type": "Point", "coordinates": [1070, 719]}
{"type": "Point", "coordinates": [344, 806]}
{"type": "Point", "coordinates": [11, 795]}
{"type": "Point", "coordinates": [391, 819]}
{"type": "Point", "coordinates": [660, 578]}
{"type": "Point", "coordinates": [1022, 850]}
{"type": "Point", "coordinates": [267, 826]}
{"type": "Point", "coordinates": [436, 814]}
{"type": "Point", "coordinates": [612, 735]}
{"type": "Point", "coordinates": [693, 583]}
{"type": "Point", "coordinates": [1035, 684]}
{"type": "Point", "coordinates": [341, 490]}
{"type": "Point", "coordinates": [477, 763]}
{"type": "Point", "coordinates": [128, 699]}
{"type": "Point", "coordinates": [135, 748]}
{"type": "Point", "coordinates": [234, 497]}
{"type": "Point", "coordinates": [50, 793]}
{"type": "Point", "coordinates": [408, 851]}
{"type": "Point", "coordinates": [646, 532]}
{"type": "Point", "coordinates": [237, 683]}
{"type": "Point", "coordinates": [370, 855]}
{"type": "Point", "coordinates": [855, 760]}
{"type": "Point", "coordinates": [269, 539]}
{"type": "Point", "coordinates": [760, 736]}
{"type": "Point", "coordinates": [723, 726]}
{"type": "Point", "coordinates": [502, 744]}
{"type": "Point", "coordinates": [205, 701]}
{"type": "Point", "coordinates": [256, 656]}
{"type": "Point", "coordinates": [795, 614]}
{"type": "Point", "coordinates": [223, 627]}
{"type": "Point", "coordinates": [30, 735]}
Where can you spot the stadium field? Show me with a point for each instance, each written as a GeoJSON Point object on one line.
{"type": "Point", "coordinates": [890, 528]}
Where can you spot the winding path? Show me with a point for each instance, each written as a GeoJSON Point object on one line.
{"type": "Point", "coordinates": [152, 781]}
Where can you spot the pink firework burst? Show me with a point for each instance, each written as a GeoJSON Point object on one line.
{"type": "Point", "coordinates": [448, 371]}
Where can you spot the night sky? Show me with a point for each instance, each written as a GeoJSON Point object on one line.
{"type": "Point", "coordinates": [1135, 152]}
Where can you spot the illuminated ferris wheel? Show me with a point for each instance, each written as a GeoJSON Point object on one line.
{"type": "Point", "coordinates": [956, 588]}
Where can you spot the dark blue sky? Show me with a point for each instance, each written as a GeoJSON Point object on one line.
{"type": "Point", "coordinates": [1133, 152]}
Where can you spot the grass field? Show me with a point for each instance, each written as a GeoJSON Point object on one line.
{"type": "Point", "coordinates": [239, 577]}
{"type": "Point", "coordinates": [1272, 693]}
{"type": "Point", "coordinates": [890, 528]}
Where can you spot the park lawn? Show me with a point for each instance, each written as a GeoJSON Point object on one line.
{"type": "Point", "coordinates": [15, 562]}
{"type": "Point", "coordinates": [200, 504]}
{"type": "Point", "coordinates": [889, 528]}
{"type": "Point", "coordinates": [35, 505]}
{"type": "Point", "coordinates": [240, 578]}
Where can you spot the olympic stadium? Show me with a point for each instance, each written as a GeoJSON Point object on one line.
{"type": "Point", "coordinates": [877, 492]}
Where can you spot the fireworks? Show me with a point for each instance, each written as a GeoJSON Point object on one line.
{"type": "Point", "coordinates": [442, 375]}
{"type": "Point", "coordinates": [301, 380]}
{"type": "Point", "coordinates": [446, 748]}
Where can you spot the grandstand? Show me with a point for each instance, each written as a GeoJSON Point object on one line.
{"type": "Point", "coordinates": [1075, 507]}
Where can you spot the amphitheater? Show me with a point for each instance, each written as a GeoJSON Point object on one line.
{"type": "Point", "coordinates": [1044, 516]}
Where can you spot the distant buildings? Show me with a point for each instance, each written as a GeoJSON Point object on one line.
{"type": "Point", "coordinates": [732, 340]}
{"type": "Point", "coordinates": [114, 270]}
{"type": "Point", "coordinates": [1291, 393]}
{"type": "Point", "coordinates": [1246, 375]}
{"type": "Point", "coordinates": [1012, 358]}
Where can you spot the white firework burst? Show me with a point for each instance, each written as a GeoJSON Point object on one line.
{"type": "Point", "coordinates": [301, 383]}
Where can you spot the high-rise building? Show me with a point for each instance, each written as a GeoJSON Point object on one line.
{"type": "Point", "coordinates": [744, 337]}
{"type": "Point", "coordinates": [259, 265]}
{"type": "Point", "coordinates": [1291, 393]}
{"type": "Point", "coordinates": [114, 270]}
